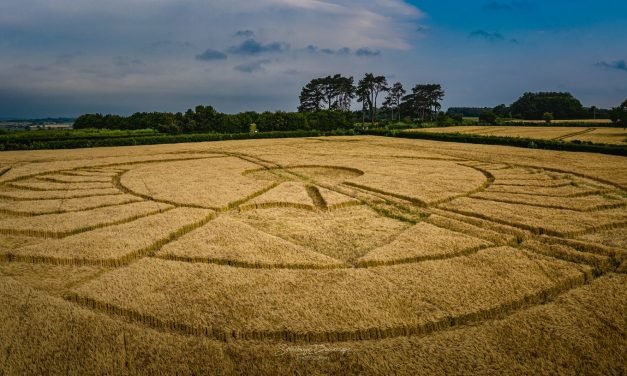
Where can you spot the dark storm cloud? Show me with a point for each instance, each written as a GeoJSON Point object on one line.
{"type": "Point", "coordinates": [210, 55]}
{"type": "Point", "coordinates": [253, 47]}
{"type": "Point", "coordinates": [620, 65]}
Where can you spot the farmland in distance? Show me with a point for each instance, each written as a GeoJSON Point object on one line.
{"type": "Point", "coordinates": [593, 134]}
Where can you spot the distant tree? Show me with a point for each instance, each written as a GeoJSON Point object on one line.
{"type": "Point", "coordinates": [370, 87]}
{"type": "Point", "coordinates": [345, 92]}
{"type": "Point", "coordinates": [532, 106]}
{"type": "Point", "coordinates": [488, 117]}
{"type": "Point", "coordinates": [456, 117]}
{"type": "Point", "coordinates": [618, 115]}
{"type": "Point", "coordinates": [311, 96]}
{"type": "Point", "coordinates": [206, 118]}
{"type": "Point", "coordinates": [594, 110]}
{"type": "Point", "coordinates": [393, 99]}
{"type": "Point", "coordinates": [168, 124]}
{"type": "Point", "coordinates": [333, 92]}
{"type": "Point", "coordinates": [252, 128]}
{"type": "Point", "coordinates": [424, 101]}
{"type": "Point", "coordinates": [89, 121]}
{"type": "Point", "coordinates": [547, 117]}
{"type": "Point", "coordinates": [363, 97]}
{"type": "Point", "coordinates": [501, 111]}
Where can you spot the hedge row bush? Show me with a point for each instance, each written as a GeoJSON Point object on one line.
{"type": "Point", "coordinates": [35, 144]}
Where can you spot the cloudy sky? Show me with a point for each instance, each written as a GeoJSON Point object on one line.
{"type": "Point", "coordinates": [67, 57]}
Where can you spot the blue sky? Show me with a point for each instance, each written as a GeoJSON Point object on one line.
{"type": "Point", "coordinates": [67, 57]}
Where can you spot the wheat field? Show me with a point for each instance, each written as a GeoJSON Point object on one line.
{"type": "Point", "coordinates": [599, 135]}
{"type": "Point", "coordinates": [343, 255]}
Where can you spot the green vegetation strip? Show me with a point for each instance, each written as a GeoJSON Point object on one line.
{"type": "Point", "coordinates": [35, 143]}
{"type": "Point", "coordinates": [89, 142]}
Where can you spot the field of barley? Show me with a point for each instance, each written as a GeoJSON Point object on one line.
{"type": "Point", "coordinates": [598, 135]}
{"type": "Point", "coordinates": [341, 255]}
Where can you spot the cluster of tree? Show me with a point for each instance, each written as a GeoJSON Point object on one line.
{"type": "Point", "coordinates": [331, 93]}
{"type": "Point", "coordinates": [205, 119]}
{"type": "Point", "coordinates": [533, 106]}
{"type": "Point", "coordinates": [619, 114]}
{"type": "Point", "coordinates": [536, 106]}
{"type": "Point", "coordinates": [424, 101]}
{"type": "Point", "coordinates": [337, 92]}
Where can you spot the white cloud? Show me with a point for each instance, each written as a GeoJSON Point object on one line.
{"type": "Point", "coordinates": [106, 31]}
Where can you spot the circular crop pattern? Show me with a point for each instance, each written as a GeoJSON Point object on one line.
{"type": "Point", "coordinates": [228, 245]}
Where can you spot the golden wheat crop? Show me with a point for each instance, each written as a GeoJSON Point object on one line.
{"type": "Point", "coordinates": [38, 185]}
{"type": "Point", "coordinates": [593, 134]}
{"type": "Point", "coordinates": [71, 177]}
{"type": "Point", "coordinates": [36, 207]}
{"type": "Point", "coordinates": [342, 255]}
{"type": "Point", "coordinates": [17, 194]}
{"type": "Point", "coordinates": [344, 234]}
{"type": "Point", "coordinates": [547, 183]}
{"type": "Point", "coordinates": [403, 181]}
{"type": "Point", "coordinates": [423, 242]}
{"type": "Point", "coordinates": [103, 246]}
{"type": "Point", "coordinates": [603, 136]}
{"type": "Point", "coordinates": [83, 174]}
{"type": "Point", "coordinates": [395, 299]}
{"type": "Point", "coordinates": [59, 225]}
{"type": "Point", "coordinates": [559, 191]}
{"type": "Point", "coordinates": [211, 183]}
{"type": "Point", "coordinates": [45, 277]}
{"type": "Point", "coordinates": [336, 200]}
{"type": "Point", "coordinates": [559, 222]}
{"type": "Point", "coordinates": [86, 342]}
{"type": "Point", "coordinates": [584, 203]}
{"type": "Point", "coordinates": [105, 165]}
{"type": "Point", "coordinates": [231, 242]}
{"type": "Point", "coordinates": [9, 243]}
{"type": "Point", "coordinates": [289, 193]}
{"type": "Point", "coordinates": [611, 237]}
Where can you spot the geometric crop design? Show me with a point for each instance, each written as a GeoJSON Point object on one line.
{"type": "Point", "coordinates": [301, 246]}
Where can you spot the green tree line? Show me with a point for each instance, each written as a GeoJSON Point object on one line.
{"type": "Point", "coordinates": [536, 106]}
{"type": "Point", "coordinates": [205, 119]}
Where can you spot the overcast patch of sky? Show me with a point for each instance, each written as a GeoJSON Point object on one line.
{"type": "Point", "coordinates": [69, 56]}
